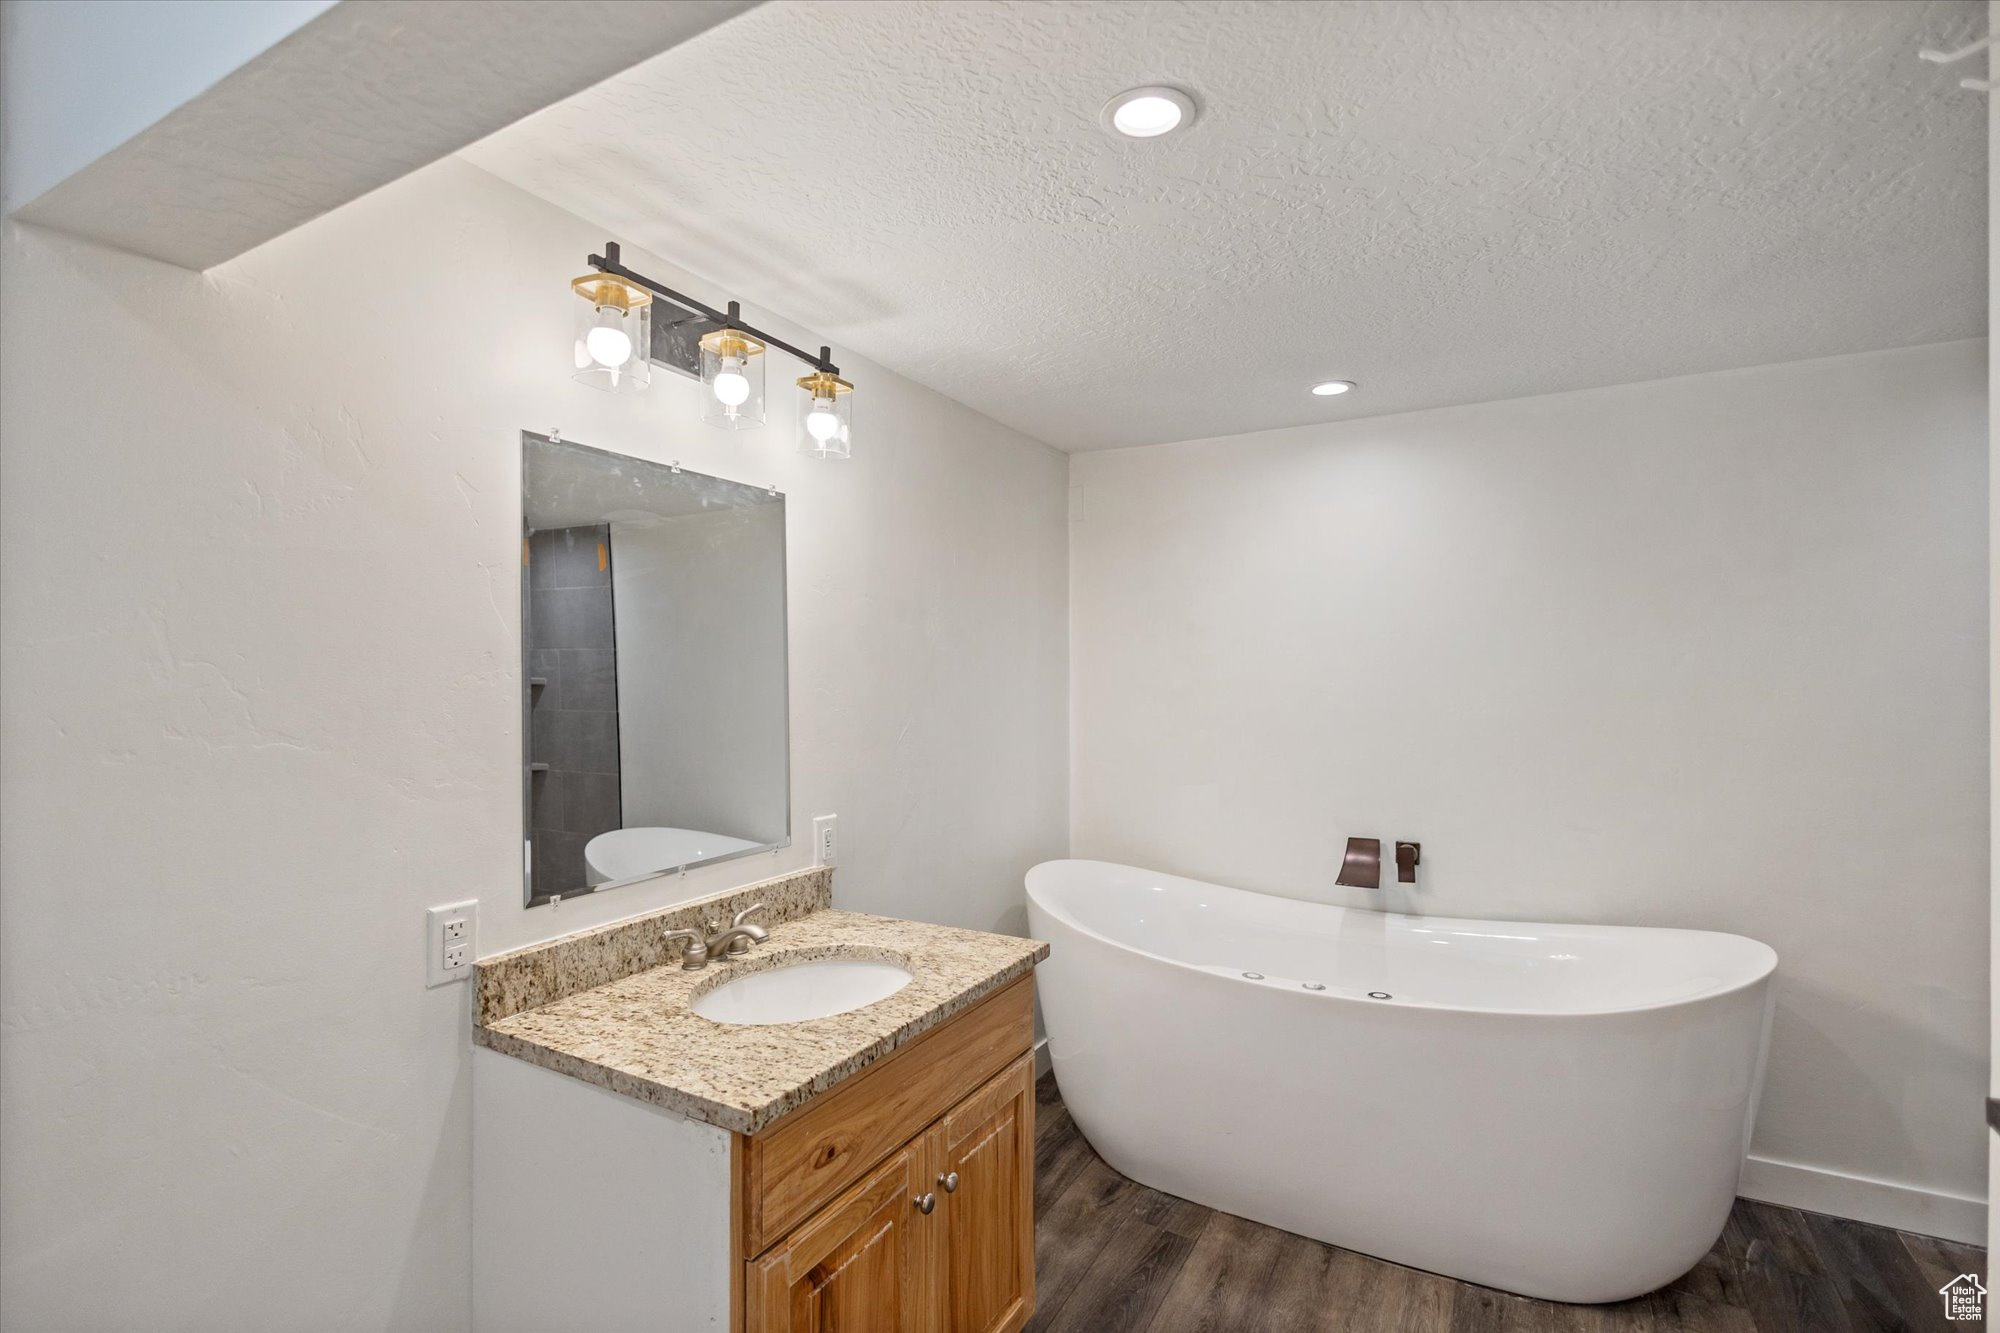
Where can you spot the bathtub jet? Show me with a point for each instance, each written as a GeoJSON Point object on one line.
{"type": "Point", "coordinates": [1560, 1111]}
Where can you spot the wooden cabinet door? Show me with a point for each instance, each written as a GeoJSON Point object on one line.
{"type": "Point", "coordinates": [987, 1267]}
{"type": "Point", "coordinates": [860, 1265]}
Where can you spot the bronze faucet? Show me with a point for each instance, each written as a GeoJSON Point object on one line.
{"type": "Point", "coordinates": [734, 939]}
{"type": "Point", "coordinates": [1361, 868]}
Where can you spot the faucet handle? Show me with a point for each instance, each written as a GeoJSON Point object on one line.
{"type": "Point", "coordinates": [741, 922]}
{"type": "Point", "coordinates": [694, 956]}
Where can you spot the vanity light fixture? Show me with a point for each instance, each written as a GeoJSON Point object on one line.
{"type": "Point", "coordinates": [614, 351]}
{"type": "Point", "coordinates": [732, 376]}
{"type": "Point", "coordinates": [1149, 112]}
{"type": "Point", "coordinates": [1329, 388]}
{"type": "Point", "coordinates": [614, 333]}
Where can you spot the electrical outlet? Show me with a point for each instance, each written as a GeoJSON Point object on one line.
{"type": "Point", "coordinates": [826, 840]}
{"type": "Point", "coordinates": [451, 941]}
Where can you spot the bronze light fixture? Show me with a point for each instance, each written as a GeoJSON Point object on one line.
{"type": "Point", "coordinates": [615, 351]}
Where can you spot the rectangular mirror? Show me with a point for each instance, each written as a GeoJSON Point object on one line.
{"type": "Point", "coordinates": [655, 710]}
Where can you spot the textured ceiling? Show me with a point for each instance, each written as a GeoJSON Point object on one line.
{"type": "Point", "coordinates": [1447, 202]}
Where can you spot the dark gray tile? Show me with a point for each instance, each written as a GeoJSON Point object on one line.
{"type": "Point", "coordinates": [544, 550]}
{"type": "Point", "coordinates": [558, 864]}
{"type": "Point", "coordinates": [570, 618]}
{"type": "Point", "coordinates": [589, 680]}
{"type": "Point", "coordinates": [547, 800]}
{"type": "Point", "coordinates": [577, 742]}
{"type": "Point", "coordinates": [596, 742]}
{"type": "Point", "coordinates": [553, 739]}
{"type": "Point", "coordinates": [590, 803]}
{"type": "Point", "coordinates": [569, 558]}
{"type": "Point", "coordinates": [544, 664]}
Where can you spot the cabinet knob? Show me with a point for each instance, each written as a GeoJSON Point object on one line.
{"type": "Point", "coordinates": [925, 1202]}
{"type": "Point", "coordinates": [950, 1182]}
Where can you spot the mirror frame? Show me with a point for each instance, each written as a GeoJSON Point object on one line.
{"type": "Point", "coordinates": [529, 898]}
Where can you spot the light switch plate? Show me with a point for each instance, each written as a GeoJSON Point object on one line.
{"type": "Point", "coordinates": [826, 840]}
{"type": "Point", "coordinates": [451, 942]}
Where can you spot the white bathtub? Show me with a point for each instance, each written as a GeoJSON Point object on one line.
{"type": "Point", "coordinates": [1560, 1111]}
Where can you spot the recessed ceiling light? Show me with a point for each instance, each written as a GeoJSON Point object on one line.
{"type": "Point", "coordinates": [1147, 113]}
{"type": "Point", "coordinates": [1328, 388]}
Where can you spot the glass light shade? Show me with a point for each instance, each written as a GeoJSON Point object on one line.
{"type": "Point", "coordinates": [826, 407]}
{"type": "Point", "coordinates": [732, 380]}
{"type": "Point", "coordinates": [614, 334]}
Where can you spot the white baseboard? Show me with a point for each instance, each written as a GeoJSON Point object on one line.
{"type": "Point", "coordinates": [1041, 1057]}
{"type": "Point", "coordinates": [1884, 1202]}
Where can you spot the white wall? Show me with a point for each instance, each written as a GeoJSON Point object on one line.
{"type": "Point", "coordinates": [77, 80]}
{"type": "Point", "coordinates": [1707, 652]}
{"type": "Point", "coordinates": [259, 674]}
{"type": "Point", "coordinates": [699, 605]}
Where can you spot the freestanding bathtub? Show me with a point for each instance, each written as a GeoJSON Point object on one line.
{"type": "Point", "coordinates": [1559, 1111]}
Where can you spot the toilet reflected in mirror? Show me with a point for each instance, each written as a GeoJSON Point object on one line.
{"type": "Point", "coordinates": [655, 705]}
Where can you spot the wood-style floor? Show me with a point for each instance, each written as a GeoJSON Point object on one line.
{"type": "Point", "coordinates": [1113, 1256]}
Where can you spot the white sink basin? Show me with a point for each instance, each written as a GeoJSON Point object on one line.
{"type": "Point", "coordinates": [793, 994]}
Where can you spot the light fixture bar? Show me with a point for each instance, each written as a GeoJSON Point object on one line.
{"type": "Point", "coordinates": [608, 262]}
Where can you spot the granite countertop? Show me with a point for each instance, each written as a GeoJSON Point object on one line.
{"type": "Point", "coordinates": [636, 1035]}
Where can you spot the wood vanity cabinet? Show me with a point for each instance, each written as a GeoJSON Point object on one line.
{"type": "Point", "coordinates": [988, 1265]}
{"type": "Point", "coordinates": [903, 1200]}
{"type": "Point", "coordinates": [863, 1262]}
{"type": "Point", "coordinates": [899, 1200]}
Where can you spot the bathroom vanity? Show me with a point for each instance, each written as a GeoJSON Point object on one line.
{"type": "Point", "coordinates": [833, 1129]}
{"type": "Point", "coordinates": [640, 1166]}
